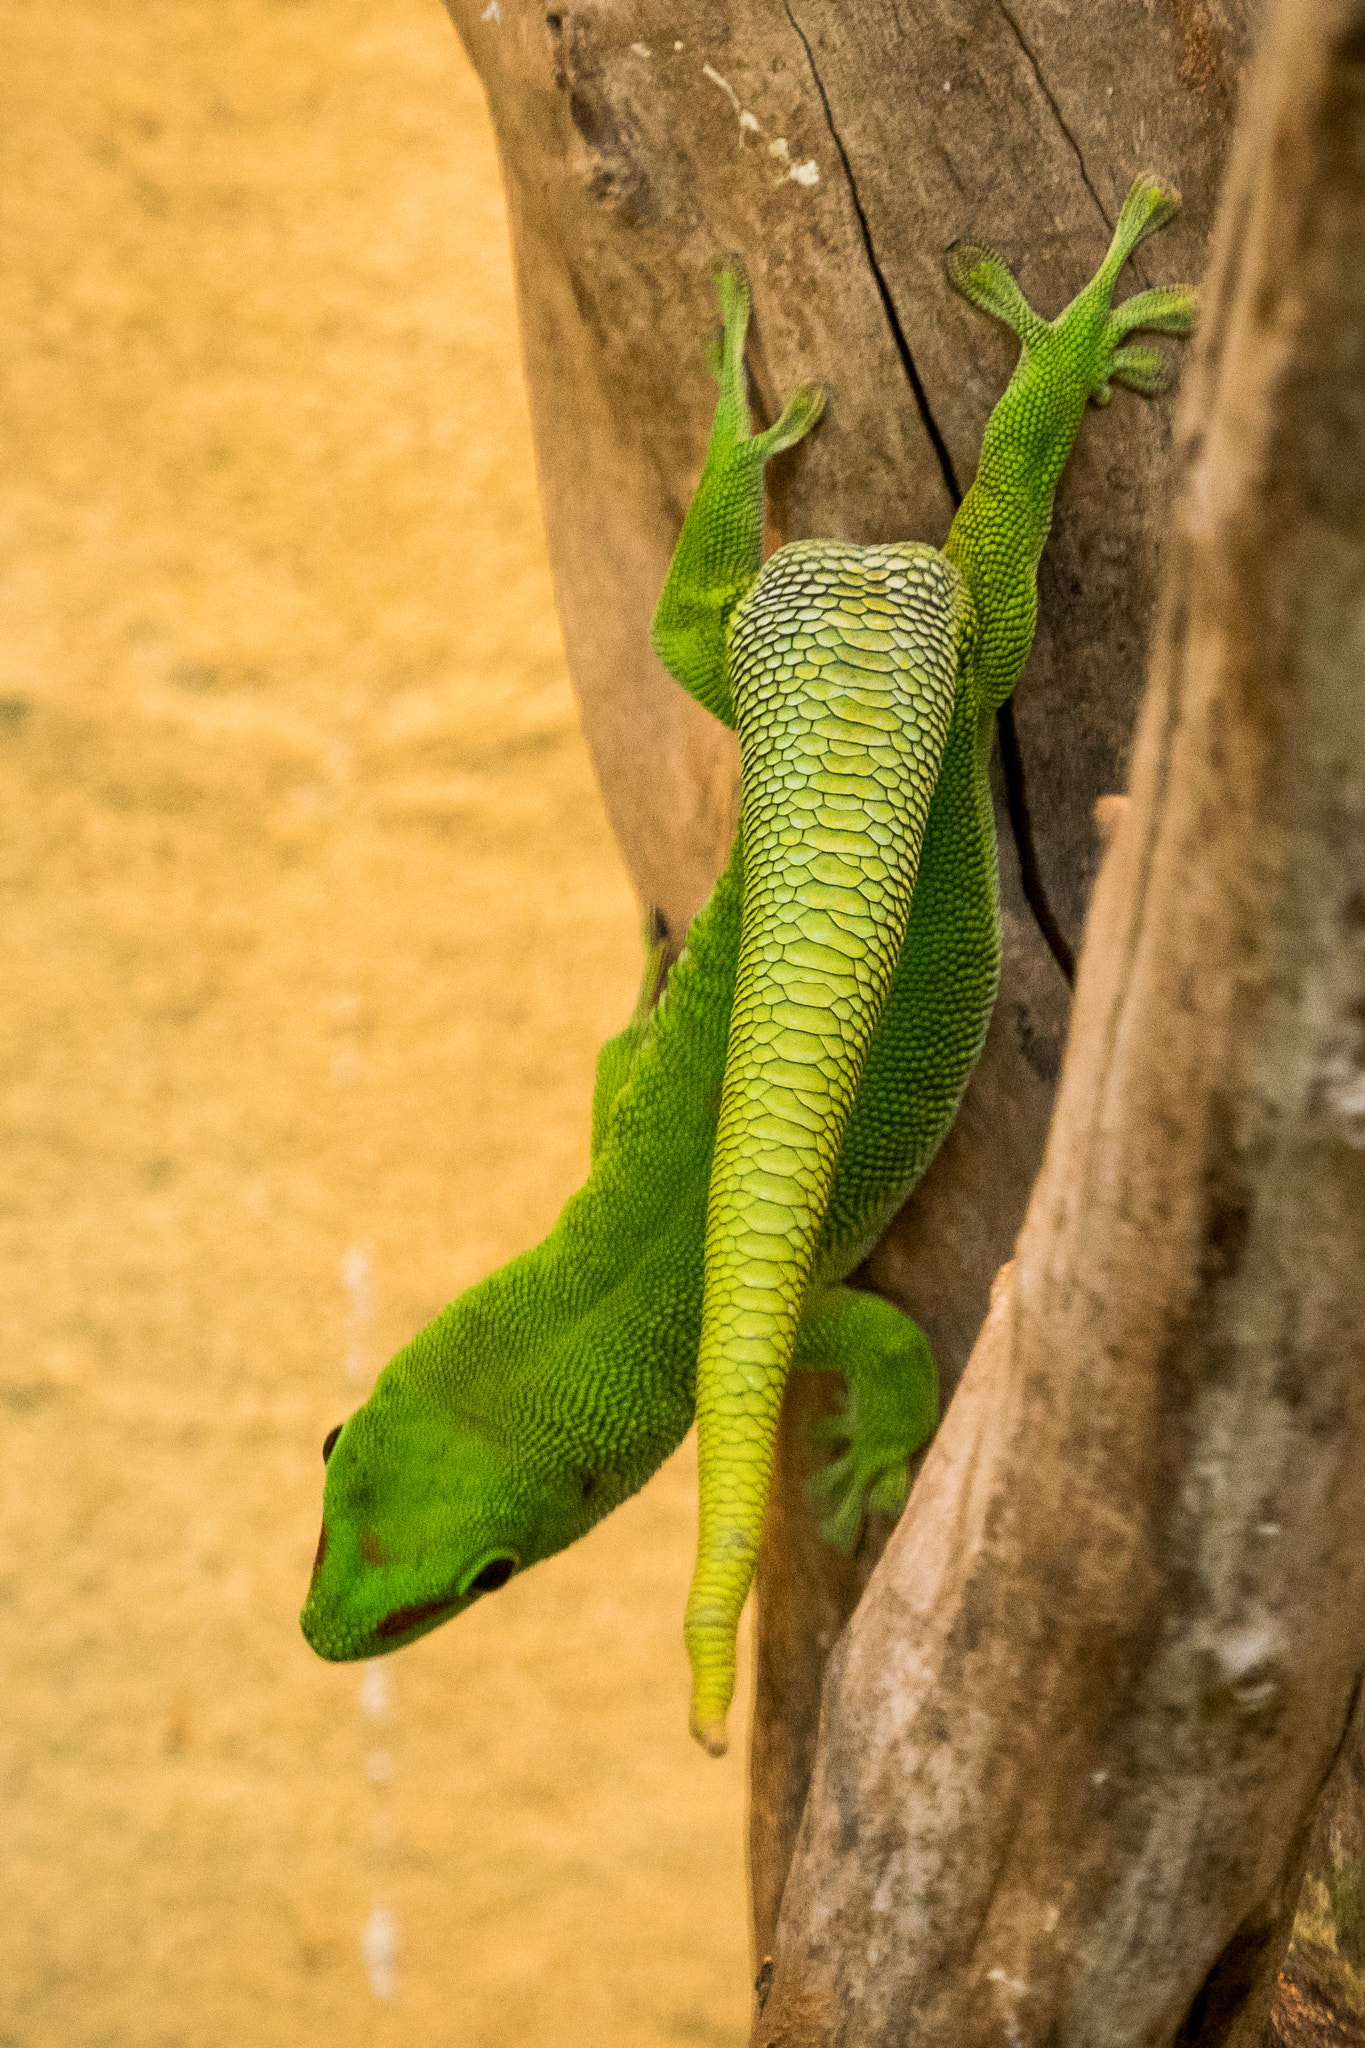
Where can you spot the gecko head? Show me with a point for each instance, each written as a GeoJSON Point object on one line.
{"type": "Point", "coordinates": [420, 1519]}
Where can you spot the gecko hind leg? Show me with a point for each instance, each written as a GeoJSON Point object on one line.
{"type": "Point", "coordinates": [891, 1409]}
{"type": "Point", "coordinates": [1087, 340]}
{"type": "Point", "coordinates": [720, 547]}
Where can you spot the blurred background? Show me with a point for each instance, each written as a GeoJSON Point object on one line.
{"type": "Point", "coordinates": [311, 929]}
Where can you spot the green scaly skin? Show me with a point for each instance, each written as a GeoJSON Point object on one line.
{"type": "Point", "coordinates": [755, 1129]}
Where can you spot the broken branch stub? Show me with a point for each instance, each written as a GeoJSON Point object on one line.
{"type": "Point", "coordinates": [1073, 1738]}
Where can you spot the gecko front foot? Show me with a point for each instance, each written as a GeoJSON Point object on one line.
{"type": "Point", "coordinates": [872, 1476]}
{"type": "Point", "coordinates": [891, 1408]}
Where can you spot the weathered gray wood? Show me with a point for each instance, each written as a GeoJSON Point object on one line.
{"type": "Point", "coordinates": [1073, 1739]}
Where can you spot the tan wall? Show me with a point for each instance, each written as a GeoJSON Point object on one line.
{"type": "Point", "coordinates": [311, 926]}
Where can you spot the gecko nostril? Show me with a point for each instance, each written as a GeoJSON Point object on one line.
{"type": "Point", "coordinates": [329, 1442]}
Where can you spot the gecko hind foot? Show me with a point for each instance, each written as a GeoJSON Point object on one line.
{"type": "Point", "coordinates": [1089, 339]}
{"type": "Point", "coordinates": [1166, 309]}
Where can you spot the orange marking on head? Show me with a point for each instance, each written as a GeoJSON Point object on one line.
{"type": "Point", "coordinates": [321, 1553]}
{"type": "Point", "coordinates": [371, 1549]}
{"type": "Point", "coordinates": [403, 1618]}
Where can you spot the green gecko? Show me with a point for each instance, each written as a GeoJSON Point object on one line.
{"type": "Point", "coordinates": [755, 1129]}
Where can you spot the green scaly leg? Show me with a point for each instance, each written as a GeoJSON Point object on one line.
{"type": "Point", "coordinates": [619, 1054]}
{"type": "Point", "coordinates": [891, 1409]}
{"type": "Point", "coordinates": [721, 544]}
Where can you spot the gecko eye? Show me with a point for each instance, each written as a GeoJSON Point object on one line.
{"type": "Point", "coordinates": [329, 1442]}
{"type": "Point", "coordinates": [494, 1574]}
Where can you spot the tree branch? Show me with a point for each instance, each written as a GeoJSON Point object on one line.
{"type": "Point", "coordinates": [1073, 1738]}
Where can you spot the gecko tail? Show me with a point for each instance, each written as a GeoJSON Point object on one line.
{"type": "Point", "coordinates": [843, 664]}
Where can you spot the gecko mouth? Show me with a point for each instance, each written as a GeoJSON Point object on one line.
{"type": "Point", "coordinates": [404, 1618]}
{"type": "Point", "coordinates": [493, 1572]}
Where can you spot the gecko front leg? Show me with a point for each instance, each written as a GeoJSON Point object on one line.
{"type": "Point", "coordinates": [890, 1411]}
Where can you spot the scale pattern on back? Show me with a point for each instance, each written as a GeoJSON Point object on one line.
{"type": "Point", "coordinates": [843, 663]}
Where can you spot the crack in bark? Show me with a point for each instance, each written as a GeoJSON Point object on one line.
{"type": "Point", "coordinates": [1057, 113]}
{"type": "Point", "coordinates": [1011, 758]}
{"type": "Point", "coordinates": [1021, 825]}
{"type": "Point", "coordinates": [931, 426]}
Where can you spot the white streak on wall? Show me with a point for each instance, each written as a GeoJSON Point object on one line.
{"type": "Point", "coordinates": [723, 83]}
{"type": "Point", "coordinates": [379, 1951]}
{"type": "Point", "coordinates": [374, 1689]}
{"type": "Point", "coordinates": [356, 1279]}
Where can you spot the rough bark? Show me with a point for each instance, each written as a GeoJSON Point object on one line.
{"type": "Point", "coordinates": [1074, 1736]}
{"type": "Point", "coordinates": [638, 143]}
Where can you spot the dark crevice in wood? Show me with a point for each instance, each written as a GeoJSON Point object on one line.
{"type": "Point", "coordinates": [931, 426]}
{"type": "Point", "coordinates": [1223, 1993]}
{"type": "Point", "coordinates": [1021, 825]}
{"type": "Point", "coordinates": [1057, 114]}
